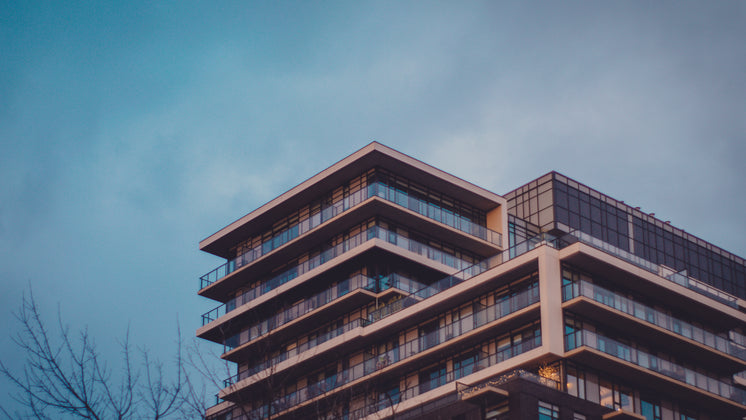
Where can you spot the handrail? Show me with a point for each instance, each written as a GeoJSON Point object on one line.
{"type": "Point", "coordinates": [688, 282]}
{"type": "Point", "coordinates": [378, 189]}
{"type": "Point", "coordinates": [366, 368]}
{"type": "Point", "coordinates": [652, 316]}
{"type": "Point", "coordinates": [374, 232]}
{"type": "Point", "coordinates": [457, 278]}
{"type": "Point", "coordinates": [511, 304]}
{"type": "Point", "coordinates": [627, 353]}
{"type": "Point", "coordinates": [340, 290]}
{"type": "Point", "coordinates": [489, 263]}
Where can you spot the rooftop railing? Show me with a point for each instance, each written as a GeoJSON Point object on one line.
{"type": "Point", "coordinates": [652, 316]}
{"type": "Point", "coordinates": [627, 353]}
{"type": "Point", "coordinates": [422, 207]}
{"type": "Point", "coordinates": [374, 232]}
{"type": "Point", "coordinates": [688, 282]}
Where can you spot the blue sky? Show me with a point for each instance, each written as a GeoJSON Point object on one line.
{"type": "Point", "coordinates": [129, 131]}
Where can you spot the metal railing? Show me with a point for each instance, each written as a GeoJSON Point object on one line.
{"type": "Point", "coordinates": [510, 304]}
{"type": "Point", "coordinates": [374, 232]}
{"type": "Point", "coordinates": [398, 197]}
{"type": "Point", "coordinates": [458, 278]}
{"type": "Point", "coordinates": [434, 212]}
{"type": "Point", "coordinates": [652, 316]}
{"type": "Point", "coordinates": [365, 368]}
{"type": "Point", "coordinates": [688, 282]}
{"type": "Point", "coordinates": [340, 290]}
{"type": "Point", "coordinates": [627, 353]}
{"type": "Point", "coordinates": [464, 390]}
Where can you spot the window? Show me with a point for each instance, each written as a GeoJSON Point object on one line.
{"type": "Point", "coordinates": [578, 416]}
{"type": "Point", "coordinates": [432, 378]}
{"type": "Point", "coordinates": [548, 411]}
{"type": "Point", "coordinates": [389, 397]}
{"type": "Point", "coordinates": [575, 382]}
{"type": "Point", "coordinates": [651, 411]}
{"type": "Point", "coordinates": [465, 365]}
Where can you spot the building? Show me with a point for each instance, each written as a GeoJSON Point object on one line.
{"type": "Point", "coordinates": [383, 287]}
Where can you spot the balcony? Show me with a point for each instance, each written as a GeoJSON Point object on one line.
{"type": "Point", "coordinates": [678, 278]}
{"type": "Point", "coordinates": [347, 294]}
{"type": "Point", "coordinates": [375, 232]}
{"type": "Point", "coordinates": [654, 317]}
{"type": "Point", "coordinates": [320, 389]}
{"type": "Point", "coordinates": [680, 374]}
{"type": "Point", "coordinates": [501, 309]}
{"type": "Point", "coordinates": [400, 198]}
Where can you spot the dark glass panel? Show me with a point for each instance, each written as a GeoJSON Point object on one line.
{"type": "Point", "coordinates": [562, 215]}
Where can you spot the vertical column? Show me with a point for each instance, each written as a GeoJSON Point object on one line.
{"type": "Point", "coordinates": [550, 293]}
{"type": "Point", "coordinates": [497, 220]}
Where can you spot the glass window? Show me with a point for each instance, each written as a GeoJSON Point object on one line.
{"type": "Point", "coordinates": [651, 411]}
{"type": "Point", "coordinates": [465, 365]}
{"type": "Point", "coordinates": [432, 378]}
{"type": "Point", "coordinates": [548, 411]}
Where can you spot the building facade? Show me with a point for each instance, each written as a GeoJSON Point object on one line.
{"type": "Point", "coordinates": [384, 288]}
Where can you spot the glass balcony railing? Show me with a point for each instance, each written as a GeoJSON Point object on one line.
{"type": "Point", "coordinates": [312, 342]}
{"type": "Point", "coordinates": [456, 279]}
{"type": "Point", "coordinates": [415, 296]}
{"type": "Point", "coordinates": [338, 290]}
{"type": "Point", "coordinates": [422, 207]}
{"type": "Point", "coordinates": [341, 289]}
{"type": "Point", "coordinates": [374, 232]}
{"type": "Point", "coordinates": [434, 212]}
{"type": "Point", "coordinates": [682, 280]}
{"type": "Point", "coordinates": [505, 306]}
{"type": "Point", "coordinates": [652, 316]}
{"type": "Point", "coordinates": [409, 349]}
{"type": "Point", "coordinates": [627, 353]}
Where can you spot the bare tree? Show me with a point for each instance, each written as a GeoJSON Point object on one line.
{"type": "Point", "coordinates": [65, 376]}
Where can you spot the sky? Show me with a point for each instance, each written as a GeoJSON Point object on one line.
{"type": "Point", "coordinates": [129, 131]}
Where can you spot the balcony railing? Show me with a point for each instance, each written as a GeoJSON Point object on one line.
{"type": "Point", "coordinates": [464, 390]}
{"type": "Point", "coordinates": [627, 353]}
{"type": "Point", "coordinates": [368, 367]}
{"type": "Point", "coordinates": [338, 290]}
{"type": "Point", "coordinates": [510, 304]}
{"type": "Point", "coordinates": [458, 278]}
{"type": "Point", "coordinates": [434, 212]}
{"type": "Point", "coordinates": [311, 343]}
{"type": "Point", "coordinates": [341, 289]}
{"type": "Point", "coordinates": [688, 282]}
{"type": "Point", "coordinates": [378, 189]}
{"type": "Point", "coordinates": [374, 232]}
{"type": "Point", "coordinates": [652, 316]}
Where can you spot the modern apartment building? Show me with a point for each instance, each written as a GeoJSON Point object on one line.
{"type": "Point", "coordinates": [385, 288]}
